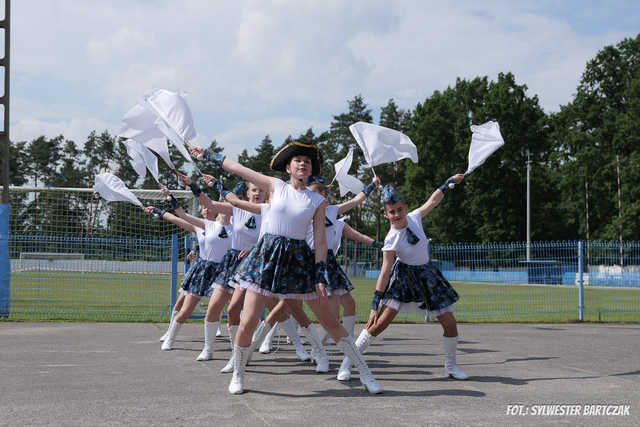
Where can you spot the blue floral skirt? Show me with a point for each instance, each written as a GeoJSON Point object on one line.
{"type": "Point", "coordinates": [199, 278]}
{"type": "Point", "coordinates": [421, 284]}
{"type": "Point", "coordinates": [227, 270]}
{"type": "Point", "coordinates": [278, 266]}
{"type": "Point", "coordinates": [339, 283]}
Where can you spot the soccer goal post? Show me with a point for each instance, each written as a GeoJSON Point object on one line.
{"type": "Point", "coordinates": [74, 255]}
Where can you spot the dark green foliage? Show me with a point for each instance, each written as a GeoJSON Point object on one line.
{"type": "Point", "coordinates": [578, 145]}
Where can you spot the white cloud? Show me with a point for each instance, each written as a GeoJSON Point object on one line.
{"type": "Point", "coordinates": [278, 128]}
{"type": "Point", "coordinates": [254, 68]}
{"type": "Point", "coordinates": [75, 129]}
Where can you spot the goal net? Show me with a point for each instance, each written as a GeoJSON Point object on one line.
{"type": "Point", "coordinates": [74, 255]}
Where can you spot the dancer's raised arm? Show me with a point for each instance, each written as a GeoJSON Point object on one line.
{"type": "Point", "coordinates": [245, 205]}
{"type": "Point", "coordinates": [352, 234]}
{"type": "Point", "coordinates": [204, 200]}
{"type": "Point", "coordinates": [438, 195]}
{"type": "Point", "coordinates": [359, 198]}
{"type": "Point", "coordinates": [169, 217]}
{"type": "Point", "coordinates": [179, 210]}
{"type": "Point", "coordinates": [220, 160]}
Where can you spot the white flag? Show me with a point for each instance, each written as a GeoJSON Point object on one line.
{"type": "Point", "coordinates": [135, 158]}
{"type": "Point", "coordinates": [485, 139]}
{"type": "Point", "coordinates": [350, 183]}
{"type": "Point", "coordinates": [111, 188]}
{"type": "Point", "coordinates": [174, 118]}
{"type": "Point", "coordinates": [175, 139]}
{"type": "Point", "coordinates": [159, 145]}
{"type": "Point", "coordinates": [141, 158]}
{"type": "Point", "coordinates": [173, 109]}
{"type": "Point", "coordinates": [383, 145]}
{"type": "Point", "coordinates": [161, 114]}
{"type": "Point", "coordinates": [347, 182]}
{"type": "Point", "coordinates": [139, 123]}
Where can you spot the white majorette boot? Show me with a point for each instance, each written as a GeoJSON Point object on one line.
{"type": "Point", "coordinates": [228, 368]}
{"type": "Point", "coordinates": [218, 331]}
{"type": "Point", "coordinates": [171, 336]}
{"type": "Point", "coordinates": [210, 329]}
{"type": "Point", "coordinates": [349, 348]}
{"type": "Point", "coordinates": [323, 335]}
{"type": "Point", "coordinates": [261, 331]}
{"type": "Point", "coordinates": [265, 347]}
{"type": "Point", "coordinates": [291, 330]}
{"type": "Point", "coordinates": [349, 323]}
{"type": "Point", "coordinates": [166, 334]}
{"type": "Point", "coordinates": [451, 369]}
{"type": "Point", "coordinates": [363, 341]}
{"type": "Point", "coordinates": [318, 352]}
{"type": "Point", "coordinates": [295, 324]}
{"type": "Point", "coordinates": [236, 386]}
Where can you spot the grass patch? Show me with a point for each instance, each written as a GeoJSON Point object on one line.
{"type": "Point", "coordinates": [134, 297]}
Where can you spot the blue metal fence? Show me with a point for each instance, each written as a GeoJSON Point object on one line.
{"type": "Point", "coordinates": [558, 280]}
{"type": "Point", "coordinates": [552, 263]}
{"type": "Point", "coordinates": [497, 281]}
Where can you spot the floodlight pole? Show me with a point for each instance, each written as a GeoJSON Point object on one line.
{"type": "Point", "coordinates": [4, 100]}
{"type": "Point", "coordinates": [528, 205]}
{"type": "Point", "coordinates": [5, 208]}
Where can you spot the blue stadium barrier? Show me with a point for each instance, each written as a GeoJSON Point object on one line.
{"type": "Point", "coordinates": [190, 243]}
{"type": "Point", "coordinates": [5, 269]}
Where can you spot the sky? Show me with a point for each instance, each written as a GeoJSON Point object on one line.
{"type": "Point", "coordinates": [277, 68]}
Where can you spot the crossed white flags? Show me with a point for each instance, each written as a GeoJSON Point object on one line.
{"type": "Point", "coordinates": [159, 116]}
{"type": "Point", "coordinates": [381, 145]}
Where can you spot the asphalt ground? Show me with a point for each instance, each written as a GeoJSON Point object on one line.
{"type": "Point", "coordinates": [115, 374]}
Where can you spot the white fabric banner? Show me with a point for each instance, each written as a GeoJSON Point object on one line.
{"type": "Point", "coordinates": [173, 109]}
{"type": "Point", "coordinates": [383, 145]}
{"type": "Point", "coordinates": [160, 146]}
{"type": "Point", "coordinates": [350, 183]}
{"type": "Point", "coordinates": [139, 123]}
{"type": "Point", "coordinates": [161, 114]}
{"type": "Point", "coordinates": [135, 158]}
{"type": "Point", "coordinates": [175, 139]}
{"type": "Point", "coordinates": [112, 188]}
{"type": "Point", "coordinates": [142, 158]}
{"type": "Point", "coordinates": [346, 182]}
{"type": "Point", "coordinates": [485, 139]}
{"type": "Point", "coordinates": [175, 120]}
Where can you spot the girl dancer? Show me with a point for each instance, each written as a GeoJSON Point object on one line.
{"type": "Point", "coordinates": [258, 208]}
{"type": "Point", "coordinates": [213, 240]}
{"type": "Point", "coordinates": [178, 305]}
{"type": "Point", "coordinates": [339, 284]}
{"type": "Point", "coordinates": [280, 264]}
{"type": "Point", "coordinates": [221, 290]}
{"type": "Point", "coordinates": [412, 281]}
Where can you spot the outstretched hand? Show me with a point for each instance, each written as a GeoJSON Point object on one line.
{"type": "Point", "coordinates": [208, 179]}
{"type": "Point", "coordinates": [149, 210]}
{"type": "Point", "coordinates": [196, 150]}
{"type": "Point", "coordinates": [165, 191]}
{"type": "Point", "coordinates": [373, 318]}
{"type": "Point", "coordinates": [376, 181]}
{"type": "Point", "coordinates": [184, 179]}
{"type": "Point", "coordinates": [457, 178]}
{"type": "Point", "coordinates": [321, 295]}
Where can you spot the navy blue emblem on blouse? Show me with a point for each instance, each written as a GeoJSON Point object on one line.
{"type": "Point", "coordinates": [223, 234]}
{"type": "Point", "coordinates": [251, 223]}
{"type": "Point", "coordinates": [327, 222]}
{"type": "Point", "coordinates": [411, 237]}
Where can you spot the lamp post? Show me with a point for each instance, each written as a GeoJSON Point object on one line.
{"type": "Point", "coordinates": [528, 205]}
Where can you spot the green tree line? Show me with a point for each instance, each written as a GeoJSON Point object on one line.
{"type": "Point", "coordinates": [577, 156]}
